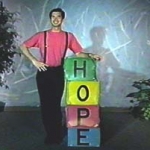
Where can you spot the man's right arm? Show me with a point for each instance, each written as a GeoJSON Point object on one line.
{"type": "Point", "coordinates": [39, 65]}
{"type": "Point", "coordinates": [27, 53]}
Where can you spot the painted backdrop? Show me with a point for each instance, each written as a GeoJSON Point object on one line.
{"type": "Point", "coordinates": [116, 29]}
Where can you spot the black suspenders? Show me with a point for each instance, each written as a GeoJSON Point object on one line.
{"type": "Point", "coordinates": [66, 46]}
{"type": "Point", "coordinates": [45, 46]}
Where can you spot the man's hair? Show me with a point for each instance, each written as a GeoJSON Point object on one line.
{"type": "Point", "coordinates": [57, 10]}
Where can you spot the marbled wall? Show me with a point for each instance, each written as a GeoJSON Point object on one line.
{"type": "Point", "coordinates": [116, 29]}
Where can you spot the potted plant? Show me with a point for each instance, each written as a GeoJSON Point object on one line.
{"type": "Point", "coordinates": [8, 42]}
{"type": "Point", "coordinates": [140, 99]}
{"type": "Point", "coordinates": [8, 45]}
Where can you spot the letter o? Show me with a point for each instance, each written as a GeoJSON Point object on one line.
{"type": "Point", "coordinates": [87, 93]}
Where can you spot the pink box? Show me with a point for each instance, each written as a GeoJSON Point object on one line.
{"type": "Point", "coordinates": [82, 116]}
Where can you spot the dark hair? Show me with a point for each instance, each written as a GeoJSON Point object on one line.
{"type": "Point", "coordinates": [57, 10]}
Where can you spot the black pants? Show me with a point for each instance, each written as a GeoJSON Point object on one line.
{"type": "Point", "coordinates": [50, 84]}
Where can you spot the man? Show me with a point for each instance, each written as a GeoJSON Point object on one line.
{"type": "Point", "coordinates": [50, 76]}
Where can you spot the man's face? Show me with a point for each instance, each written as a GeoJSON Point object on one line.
{"type": "Point", "coordinates": [56, 19]}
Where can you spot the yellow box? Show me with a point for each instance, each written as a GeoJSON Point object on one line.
{"type": "Point", "coordinates": [83, 93]}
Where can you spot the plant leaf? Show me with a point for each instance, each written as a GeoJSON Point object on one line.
{"type": "Point", "coordinates": [134, 95]}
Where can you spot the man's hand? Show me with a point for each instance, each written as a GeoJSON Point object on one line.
{"type": "Point", "coordinates": [95, 56]}
{"type": "Point", "coordinates": [40, 65]}
{"type": "Point", "coordinates": [89, 55]}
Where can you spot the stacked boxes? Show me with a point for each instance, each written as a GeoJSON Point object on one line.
{"type": "Point", "coordinates": [82, 102]}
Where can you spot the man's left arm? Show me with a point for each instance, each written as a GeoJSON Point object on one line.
{"type": "Point", "coordinates": [79, 51]}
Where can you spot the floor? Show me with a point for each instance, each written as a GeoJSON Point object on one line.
{"type": "Point", "coordinates": [23, 130]}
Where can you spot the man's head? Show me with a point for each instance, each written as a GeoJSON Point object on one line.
{"type": "Point", "coordinates": [56, 17]}
{"type": "Point", "coordinates": [57, 10]}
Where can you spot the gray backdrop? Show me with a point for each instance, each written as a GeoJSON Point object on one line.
{"type": "Point", "coordinates": [116, 29]}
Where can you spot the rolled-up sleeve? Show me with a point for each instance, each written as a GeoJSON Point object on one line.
{"type": "Point", "coordinates": [32, 41]}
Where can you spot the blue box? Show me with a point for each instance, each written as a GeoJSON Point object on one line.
{"type": "Point", "coordinates": [84, 137]}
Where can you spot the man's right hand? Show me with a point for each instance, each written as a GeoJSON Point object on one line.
{"type": "Point", "coordinates": [40, 65]}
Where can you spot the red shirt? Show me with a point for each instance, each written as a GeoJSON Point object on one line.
{"type": "Point", "coordinates": [56, 42]}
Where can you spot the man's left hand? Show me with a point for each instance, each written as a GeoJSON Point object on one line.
{"type": "Point", "coordinates": [95, 57]}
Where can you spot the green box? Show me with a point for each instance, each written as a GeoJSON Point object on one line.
{"type": "Point", "coordinates": [80, 69]}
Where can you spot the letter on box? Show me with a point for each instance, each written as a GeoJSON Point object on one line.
{"type": "Point", "coordinates": [82, 116]}
{"type": "Point", "coordinates": [80, 69]}
{"type": "Point", "coordinates": [84, 137]}
{"type": "Point", "coordinates": [83, 93]}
